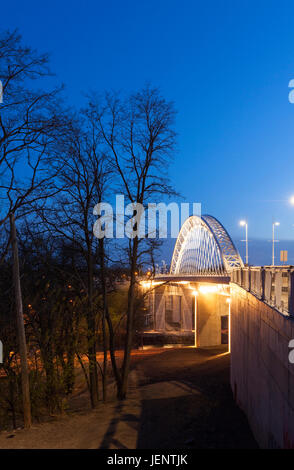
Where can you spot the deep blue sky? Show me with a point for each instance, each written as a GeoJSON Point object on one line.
{"type": "Point", "coordinates": [225, 64]}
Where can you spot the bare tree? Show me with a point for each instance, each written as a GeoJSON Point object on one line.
{"type": "Point", "coordinates": [82, 177]}
{"type": "Point", "coordinates": [138, 133]}
{"type": "Point", "coordinates": [21, 329]}
{"type": "Point", "coordinates": [30, 123]}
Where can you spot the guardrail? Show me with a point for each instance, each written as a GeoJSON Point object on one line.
{"type": "Point", "coordinates": [272, 284]}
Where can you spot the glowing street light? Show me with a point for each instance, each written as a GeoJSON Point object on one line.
{"type": "Point", "coordinates": [195, 293]}
{"type": "Point", "coordinates": [229, 332]}
{"type": "Point", "coordinates": [275, 224]}
{"type": "Point", "coordinates": [243, 223]}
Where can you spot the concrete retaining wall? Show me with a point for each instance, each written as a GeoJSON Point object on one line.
{"type": "Point", "coordinates": [262, 377]}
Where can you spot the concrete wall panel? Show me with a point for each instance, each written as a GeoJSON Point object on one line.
{"type": "Point", "coordinates": [262, 377]}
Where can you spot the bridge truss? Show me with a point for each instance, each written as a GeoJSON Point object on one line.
{"type": "Point", "coordinates": [204, 247]}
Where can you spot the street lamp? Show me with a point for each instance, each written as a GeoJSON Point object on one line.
{"type": "Point", "coordinates": [229, 332]}
{"type": "Point", "coordinates": [275, 224]}
{"type": "Point", "coordinates": [243, 223]}
{"type": "Point", "coordinates": [195, 293]}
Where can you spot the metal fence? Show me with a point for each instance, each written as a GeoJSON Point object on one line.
{"type": "Point", "coordinates": [272, 284]}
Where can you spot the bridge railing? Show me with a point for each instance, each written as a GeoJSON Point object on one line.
{"type": "Point", "coordinates": [272, 284]}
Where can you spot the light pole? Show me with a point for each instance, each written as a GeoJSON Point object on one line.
{"type": "Point", "coordinates": [275, 224]}
{"type": "Point", "coordinates": [229, 325]}
{"type": "Point", "coordinates": [243, 223]}
{"type": "Point", "coordinates": [195, 293]}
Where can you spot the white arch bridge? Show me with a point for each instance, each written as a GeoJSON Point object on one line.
{"type": "Point", "coordinates": [203, 251]}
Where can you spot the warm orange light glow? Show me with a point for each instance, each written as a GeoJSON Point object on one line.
{"type": "Point", "coordinates": [229, 332]}
{"type": "Point", "coordinates": [148, 284]}
{"type": "Point", "coordinates": [195, 293]}
{"type": "Point", "coordinates": [208, 289]}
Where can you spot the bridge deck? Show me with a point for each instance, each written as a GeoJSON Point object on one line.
{"type": "Point", "coordinates": [217, 279]}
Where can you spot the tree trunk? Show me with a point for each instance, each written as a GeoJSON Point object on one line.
{"type": "Point", "coordinates": [108, 319]}
{"type": "Point", "coordinates": [104, 313]}
{"type": "Point", "coordinates": [52, 398]}
{"type": "Point", "coordinates": [112, 350]}
{"type": "Point", "coordinates": [122, 392]}
{"type": "Point", "coordinates": [91, 325]}
{"type": "Point", "coordinates": [84, 370]}
{"type": "Point", "coordinates": [20, 329]}
{"type": "Point", "coordinates": [104, 379]}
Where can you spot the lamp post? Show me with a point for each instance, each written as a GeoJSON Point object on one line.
{"type": "Point", "coordinates": [243, 223]}
{"type": "Point", "coordinates": [275, 224]}
{"type": "Point", "coordinates": [229, 325]}
{"type": "Point", "coordinates": [195, 293]}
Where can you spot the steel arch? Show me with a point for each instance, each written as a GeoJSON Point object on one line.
{"type": "Point", "coordinates": [204, 247]}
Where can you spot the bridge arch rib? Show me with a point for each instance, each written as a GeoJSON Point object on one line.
{"type": "Point", "coordinates": [204, 247]}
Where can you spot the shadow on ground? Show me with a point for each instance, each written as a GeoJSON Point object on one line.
{"type": "Point", "coordinates": [177, 399]}
{"type": "Point", "coordinates": [187, 402]}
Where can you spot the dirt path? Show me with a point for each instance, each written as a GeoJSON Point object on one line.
{"type": "Point", "coordinates": [179, 398]}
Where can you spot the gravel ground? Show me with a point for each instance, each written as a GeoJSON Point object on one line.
{"type": "Point", "coordinates": [178, 398]}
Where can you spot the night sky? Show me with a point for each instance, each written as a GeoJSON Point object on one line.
{"type": "Point", "coordinates": [225, 64]}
